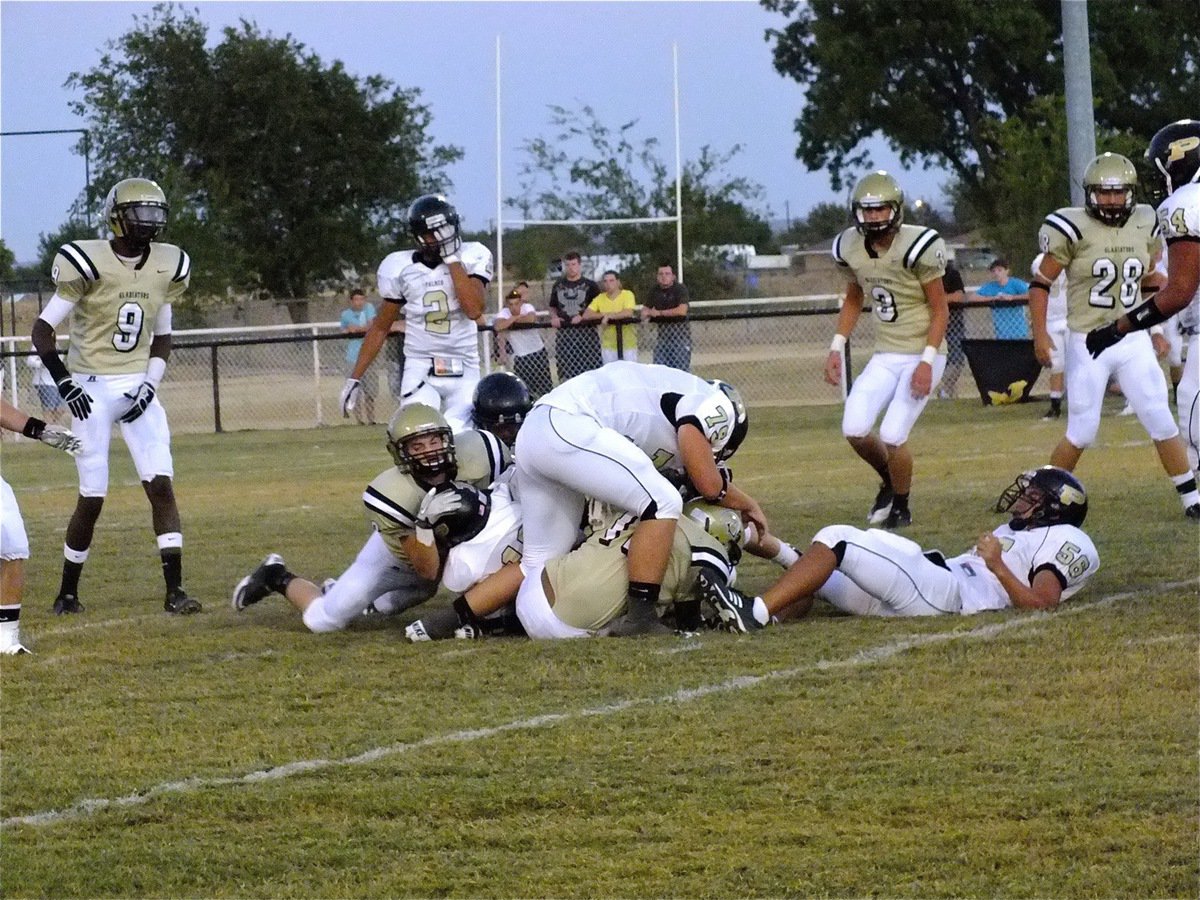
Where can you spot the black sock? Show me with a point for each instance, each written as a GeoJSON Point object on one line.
{"type": "Point", "coordinates": [279, 583]}
{"type": "Point", "coordinates": [466, 615]}
{"type": "Point", "coordinates": [900, 503]}
{"type": "Point", "coordinates": [70, 579]}
{"type": "Point", "coordinates": [687, 615]}
{"type": "Point", "coordinates": [886, 477]}
{"type": "Point", "coordinates": [1056, 403]}
{"type": "Point", "coordinates": [172, 566]}
{"type": "Point", "coordinates": [643, 598]}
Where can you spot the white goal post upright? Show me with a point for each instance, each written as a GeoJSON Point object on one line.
{"type": "Point", "coordinates": [501, 221]}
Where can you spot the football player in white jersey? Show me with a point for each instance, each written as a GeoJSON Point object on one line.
{"type": "Point", "coordinates": [416, 514]}
{"type": "Point", "coordinates": [14, 542]}
{"type": "Point", "coordinates": [899, 268]}
{"type": "Point", "coordinates": [606, 434]}
{"type": "Point", "coordinates": [118, 294]}
{"type": "Point", "coordinates": [1040, 558]}
{"type": "Point", "coordinates": [1174, 155]}
{"type": "Point", "coordinates": [1108, 249]}
{"type": "Point", "coordinates": [440, 288]}
{"type": "Point", "coordinates": [1056, 328]}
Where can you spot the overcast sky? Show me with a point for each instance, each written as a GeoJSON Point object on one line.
{"type": "Point", "coordinates": [615, 57]}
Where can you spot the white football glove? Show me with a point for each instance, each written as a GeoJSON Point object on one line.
{"type": "Point", "coordinates": [349, 399]}
{"type": "Point", "coordinates": [139, 400]}
{"type": "Point", "coordinates": [449, 242]}
{"type": "Point", "coordinates": [61, 439]}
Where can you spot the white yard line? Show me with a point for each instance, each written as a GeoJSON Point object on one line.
{"type": "Point", "coordinates": [865, 657]}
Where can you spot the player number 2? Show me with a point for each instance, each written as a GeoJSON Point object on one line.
{"type": "Point", "coordinates": [437, 317]}
{"type": "Point", "coordinates": [129, 327]}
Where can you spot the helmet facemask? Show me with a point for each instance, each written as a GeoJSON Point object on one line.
{"type": "Point", "coordinates": [1043, 497]}
{"type": "Point", "coordinates": [1108, 185]}
{"type": "Point", "coordinates": [422, 445]}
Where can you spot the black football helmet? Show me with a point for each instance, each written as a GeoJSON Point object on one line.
{"type": "Point", "coordinates": [501, 403]}
{"type": "Point", "coordinates": [741, 419]}
{"type": "Point", "coordinates": [136, 210]}
{"type": "Point", "coordinates": [1174, 157]}
{"type": "Point", "coordinates": [1043, 497]}
{"type": "Point", "coordinates": [428, 466]}
{"type": "Point", "coordinates": [434, 224]}
{"type": "Point", "coordinates": [467, 515]}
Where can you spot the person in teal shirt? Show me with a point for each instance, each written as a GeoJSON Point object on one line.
{"type": "Point", "coordinates": [354, 321]}
{"type": "Point", "coordinates": [1009, 321]}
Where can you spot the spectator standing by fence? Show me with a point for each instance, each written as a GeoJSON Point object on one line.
{"type": "Point", "coordinates": [576, 350]}
{"type": "Point", "coordinates": [355, 320]}
{"type": "Point", "coordinates": [667, 307]}
{"type": "Point", "coordinates": [614, 305]}
{"type": "Point", "coordinates": [1009, 321]}
{"type": "Point", "coordinates": [525, 347]}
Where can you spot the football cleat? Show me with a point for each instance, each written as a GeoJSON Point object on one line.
{"type": "Point", "coordinates": [180, 604]}
{"type": "Point", "coordinates": [882, 506]}
{"type": "Point", "coordinates": [66, 604]}
{"type": "Point", "coordinates": [1054, 412]}
{"type": "Point", "coordinates": [436, 625]}
{"type": "Point", "coordinates": [898, 518]}
{"type": "Point", "coordinates": [1192, 513]}
{"type": "Point", "coordinates": [256, 585]}
{"type": "Point", "coordinates": [736, 611]}
{"type": "Point", "coordinates": [14, 649]}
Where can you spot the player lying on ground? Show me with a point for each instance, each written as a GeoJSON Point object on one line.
{"type": "Point", "coordinates": [1037, 560]}
{"type": "Point", "coordinates": [395, 568]}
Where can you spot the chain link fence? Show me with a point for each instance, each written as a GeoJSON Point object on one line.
{"type": "Point", "coordinates": [290, 376]}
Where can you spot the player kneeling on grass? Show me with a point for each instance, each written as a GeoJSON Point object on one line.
{"type": "Point", "coordinates": [1039, 559]}
{"type": "Point", "coordinates": [394, 564]}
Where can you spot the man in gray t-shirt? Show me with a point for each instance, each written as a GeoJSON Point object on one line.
{"type": "Point", "coordinates": [577, 349]}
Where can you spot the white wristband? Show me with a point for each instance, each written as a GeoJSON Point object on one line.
{"type": "Point", "coordinates": [155, 370]}
{"type": "Point", "coordinates": [929, 354]}
{"type": "Point", "coordinates": [838, 344]}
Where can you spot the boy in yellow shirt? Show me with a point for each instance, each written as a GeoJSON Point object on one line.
{"type": "Point", "coordinates": [614, 305]}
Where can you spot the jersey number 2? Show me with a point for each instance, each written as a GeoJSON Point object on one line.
{"type": "Point", "coordinates": [1106, 270]}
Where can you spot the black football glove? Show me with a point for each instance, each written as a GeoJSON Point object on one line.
{"type": "Point", "coordinates": [76, 398]}
{"type": "Point", "coordinates": [139, 399]}
{"type": "Point", "coordinates": [1100, 339]}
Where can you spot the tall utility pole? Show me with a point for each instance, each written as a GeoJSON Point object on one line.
{"type": "Point", "coordinates": [1077, 73]}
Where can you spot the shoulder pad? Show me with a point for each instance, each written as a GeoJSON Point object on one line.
{"type": "Point", "coordinates": [839, 245]}
{"type": "Point", "coordinates": [73, 263]}
{"type": "Point", "coordinates": [925, 239]}
{"type": "Point", "coordinates": [481, 457]}
{"type": "Point", "coordinates": [394, 496]}
{"type": "Point", "coordinates": [1063, 221]}
{"type": "Point", "coordinates": [183, 267]}
{"type": "Point", "coordinates": [477, 260]}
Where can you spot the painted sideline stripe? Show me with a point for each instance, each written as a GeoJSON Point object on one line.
{"type": "Point", "coordinates": [865, 657]}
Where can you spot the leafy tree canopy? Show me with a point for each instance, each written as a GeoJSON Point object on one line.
{"type": "Point", "coordinates": [940, 78]}
{"type": "Point", "coordinates": [282, 172]}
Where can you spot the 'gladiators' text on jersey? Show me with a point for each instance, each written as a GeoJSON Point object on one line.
{"type": "Point", "coordinates": [893, 282]}
{"type": "Point", "coordinates": [1104, 264]}
{"type": "Point", "coordinates": [112, 323]}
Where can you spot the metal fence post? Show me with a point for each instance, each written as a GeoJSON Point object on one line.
{"type": "Point", "coordinates": [316, 355]}
{"type": "Point", "coordinates": [216, 387]}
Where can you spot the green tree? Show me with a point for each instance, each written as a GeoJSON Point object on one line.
{"type": "Point", "coordinates": [588, 170]}
{"type": "Point", "coordinates": [939, 78]}
{"type": "Point", "coordinates": [8, 261]}
{"type": "Point", "coordinates": [283, 172]}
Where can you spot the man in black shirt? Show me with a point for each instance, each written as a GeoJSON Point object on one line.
{"type": "Point", "coordinates": [952, 284]}
{"type": "Point", "coordinates": [668, 306]}
{"type": "Point", "coordinates": [576, 349]}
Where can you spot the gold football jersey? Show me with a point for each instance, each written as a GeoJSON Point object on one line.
{"type": "Point", "coordinates": [116, 305]}
{"type": "Point", "coordinates": [1104, 264]}
{"type": "Point", "coordinates": [393, 498]}
{"type": "Point", "coordinates": [892, 282]}
{"type": "Point", "coordinates": [591, 582]}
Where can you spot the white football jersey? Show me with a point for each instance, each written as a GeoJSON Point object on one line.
{"type": "Point", "coordinates": [1179, 216]}
{"type": "Point", "coordinates": [647, 404]}
{"type": "Point", "coordinates": [1056, 309]}
{"type": "Point", "coordinates": [434, 322]}
{"type": "Point", "coordinates": [498, 543]}
{"type": "Point", "coordinates": [1062, 548]}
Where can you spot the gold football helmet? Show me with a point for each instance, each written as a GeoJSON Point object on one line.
{"type": "Point", "coordinates": [136, 209]}
{"type": "Point", "coordinates": [427, 462]}
{"type": "Point", "coordinates": [876, 191]}
{"type": "Point", "coordinates": [1108, 173]}
{"type": "Point", "coordinates": [723, 524]}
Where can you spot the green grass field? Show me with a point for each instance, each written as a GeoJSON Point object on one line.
{"type": "Point", "coordinates": [237, 755]}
